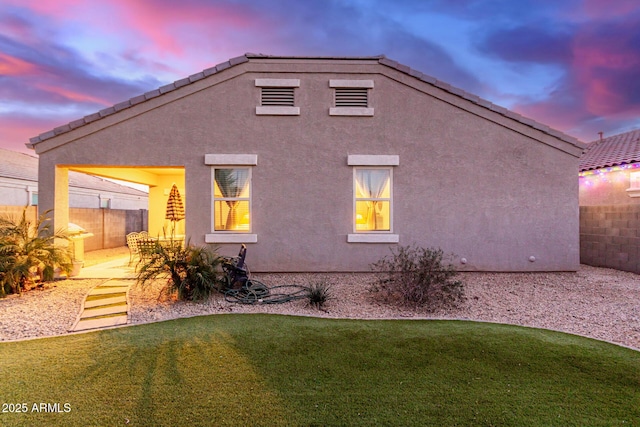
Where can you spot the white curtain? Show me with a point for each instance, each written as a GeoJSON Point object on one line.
{"type": "Point", "coordinates": [232, 184]}
{"type": "Point", "coordinates": [371, 184]}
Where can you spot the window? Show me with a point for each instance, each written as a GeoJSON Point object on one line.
{"type": "Point", "coordinates": [231, 199]}
{"type": "Point", "coordinates": [634, 184]}
{"type": "Point", "coordinates": [373, 199]}
{"type": "Point", "coordinates": [277, 97]}
{"type": "Point", "coordinates": [351, 97]}
{"type": "Point", "coordinates": [32, 194]}
{"type": "Point", "coordinates": [231, 220]}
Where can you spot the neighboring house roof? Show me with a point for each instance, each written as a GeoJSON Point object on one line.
{"type": "Point", "coordinates": [247, 57]}
{"type": "Point", "coordinates": [24, 166]}
{"type": "Point", "coordinates": [615, 150]}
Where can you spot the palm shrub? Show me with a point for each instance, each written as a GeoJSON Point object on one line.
{"type": "Point", "coordinates": [418, 277]}
{"type": "Point", "coordinates": [193, 272]}
{"type": "Point", "coordinates": [28, 252]}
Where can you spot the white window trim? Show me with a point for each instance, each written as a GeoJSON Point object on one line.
{"type": "Point", "coordinates": [634, 185]}
{"type": "Point", "coordinates": [223, 161]}
{"type": "Point", "coordinates": [380, 162]}
{"type": "Point", "coordinates": [31, 191]}
{"type": "Point", "coordinates": [231, 159]}
{"type": "Point", "coordinates": [373, 238]}
{"type": "Point", "coordinates": [373, 160]}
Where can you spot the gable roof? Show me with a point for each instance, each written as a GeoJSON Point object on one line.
{"type": "Point", "coordinates": [381, 59]}
{"type": "Point", "coordinates": [16, 165]}
{"type": "Point", "coordinates": [615, 150]}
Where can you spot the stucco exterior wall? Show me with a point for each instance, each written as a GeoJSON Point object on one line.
{"type": "Point", "coordinates": [487, 190]}
{"type": "Point", "coordinates": [606, 189]}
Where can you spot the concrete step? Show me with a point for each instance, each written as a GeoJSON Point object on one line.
{"type": "Point", "coordinates": [102, 322]}
{"type": "Point", "coordinates": [101, 311]}
{"type": "Point", "coordinates": [107, 290]}
{"type": "Point", "coordinates": [105, 301]}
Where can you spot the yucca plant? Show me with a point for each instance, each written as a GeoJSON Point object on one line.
{"type": "Point", "coordinates": [28, 253]}
{"type": "Point", "coordinates": [193, 272]}
{"type": "Point", "coordinates": [319, 293]}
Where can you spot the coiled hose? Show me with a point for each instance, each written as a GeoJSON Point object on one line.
{"type": "Point", "coordinates": [256, 292]}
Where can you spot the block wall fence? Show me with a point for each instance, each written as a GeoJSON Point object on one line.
{"type": "Point", "coordinates": [610, 236]}
{"type": "Point", "coordinates": [109, 226]}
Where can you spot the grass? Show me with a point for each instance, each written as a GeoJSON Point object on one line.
{"type": "Point", "coordinates": [278, 370]}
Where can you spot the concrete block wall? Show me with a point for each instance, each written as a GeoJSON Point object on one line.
{"type": "Point", "coordinates": [610, 236]}
{"type": "Point", "coordinates": [109, 226]}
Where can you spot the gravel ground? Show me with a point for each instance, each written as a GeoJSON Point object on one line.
{"type": "Point", "coordinates": [594, 302]}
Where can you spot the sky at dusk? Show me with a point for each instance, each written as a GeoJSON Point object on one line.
{"type": "Point", "coordinates": [573, 65]}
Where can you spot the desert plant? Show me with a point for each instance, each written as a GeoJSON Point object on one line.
{"type": "Point", "coordinates": [193, 272]}
{"type": "Point", "coordinates": [418, 277]}
{"type": "Point", "coordinates": [319, 293]}
{"type": "Point", "coordinates": [28, 253]}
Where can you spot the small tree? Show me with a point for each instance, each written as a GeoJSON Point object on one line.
{"type": "Point", "coordinates": [416, 276]}
{"type": "Point", "coordinates": [193, 272]}
{"type": "Point", "coordinates": [28, 253]}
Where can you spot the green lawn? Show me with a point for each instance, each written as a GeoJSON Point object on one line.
{"type": "Point", "coordinates": [244, 370]}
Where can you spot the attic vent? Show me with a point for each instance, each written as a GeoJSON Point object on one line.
{"type": "Point", "coordinates": [352, 97]}
{"type": "Point", "coordinates": [277, 97]}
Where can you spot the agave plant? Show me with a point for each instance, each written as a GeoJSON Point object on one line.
{"type": "Point", "coordinates": [28, 253]}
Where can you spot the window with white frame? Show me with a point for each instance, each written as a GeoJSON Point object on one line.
{"type": "Point", "coordinates": [634, 184]}
{"type": "Point", "coordinates": [231, 201]}
{"type": "Point", "coordinates": [373, 199]}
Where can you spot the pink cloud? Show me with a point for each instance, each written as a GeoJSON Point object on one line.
{"type": "Point", "coordinates": [162, 24]}
{"type": "Point", "coordinates": [11, 66]}
{"type": "Point", "coordinates": [71, 95]}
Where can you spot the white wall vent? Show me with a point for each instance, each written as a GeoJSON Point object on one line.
{"type": "Point", "coordinates": [277, 97]}
{"type": "Point", "coordinates": [352, 97]}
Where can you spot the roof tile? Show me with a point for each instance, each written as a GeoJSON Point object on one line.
{"type": "Point", "coordinates": [121, 106]}
{"type": "Point", "coordinates": [167, 88]}
{"type": "Point", "coordinates": [615, 150]}
{"type": "Point", "coordinates": [137, 99]}
{"type": "Point", "coordinates": [152, 94]}
{"type": "Point", "coordinates": [223, 66]}
{"type": "Point", "coordinates": [182, 82]}
{"type": "Point", "coordinates": [209, 71]}
{"type": "Point", "coordinates": [195, 77]}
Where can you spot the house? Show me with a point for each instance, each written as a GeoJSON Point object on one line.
{"type": "Point", "coordinates": [610, 202]}
{"type": "Point", "coordinates": [19, 186]}
{"type": "Point", "coordinates": [323, 164]}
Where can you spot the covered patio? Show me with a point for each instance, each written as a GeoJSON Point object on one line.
{"type": "Point", "coordinates": [159, 181]}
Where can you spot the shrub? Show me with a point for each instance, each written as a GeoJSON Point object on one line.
{"type": "Point", "coordinates": [28, 253]}
{"type": "Point", "coordinates": [319, 293]}
{"type": "Point", "coordinates": [193, 272]}
{"type": "Point", "coordinates": [417, 277]}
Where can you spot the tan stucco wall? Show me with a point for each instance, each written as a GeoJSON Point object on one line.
{"type": "Point", "coordinates": [491, 194]}
{"type": "Point", "coordinates": [606, 189]}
